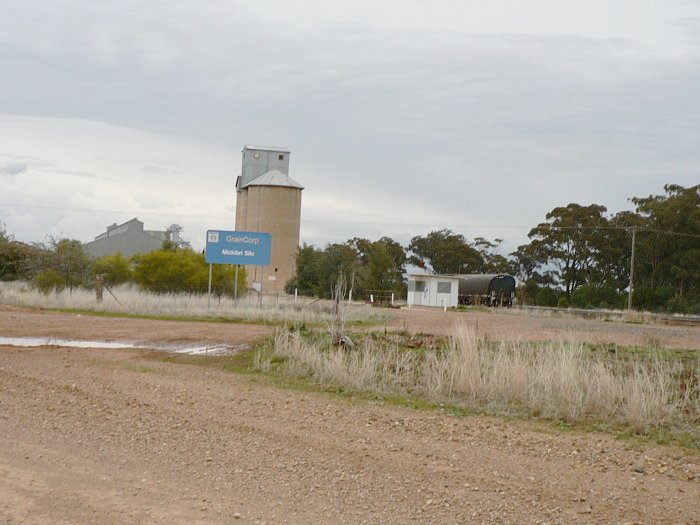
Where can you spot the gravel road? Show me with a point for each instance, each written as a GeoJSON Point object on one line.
{"type": "Point", "coordinates": [121, 436]}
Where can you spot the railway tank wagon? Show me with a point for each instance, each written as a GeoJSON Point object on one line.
{"type": "Point", "coordinates": [487, 289]}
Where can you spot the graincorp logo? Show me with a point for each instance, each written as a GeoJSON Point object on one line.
{"type": "Point", "coordinates": [245, 239]}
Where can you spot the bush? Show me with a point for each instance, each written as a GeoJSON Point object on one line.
{"type": "Point", "coordinates": [16, 260]}
{"type": "Point", "coordinates": [527, 293]}
{"type": "Point", "coordinates": [654, 299]}
{"type": "Point", "coordinates": [589, 296]}
{"type": "Point", "coordinates": [115, 269]}
{"type": "Point", "coordinates": [66, 258]}
{"type": "Point", "coordinates": [166, 271]}
{"type": "Point", "coordinates": [546, 297]}
{"type": "Point", "coordinates": [49, 281]}
{"type": "Point", "coordinates": [678, 304]}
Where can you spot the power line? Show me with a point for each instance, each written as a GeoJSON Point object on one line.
{"type": "Point", "coordinates": [618, 228]}
{"type": "Point", "coordinates": [670, 233]}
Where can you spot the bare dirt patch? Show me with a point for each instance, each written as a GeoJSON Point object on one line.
{"type": "Point", "coordinates": [16, 322]}
{"type": "Point", "coordinates": [506, 326]}
{"type": "Point", "coordinates": [122, 436]}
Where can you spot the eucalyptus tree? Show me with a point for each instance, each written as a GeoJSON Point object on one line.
{"type": "Point", "coordinates": [443, 251]}
{"type": "Point", "coordinates": [571, 240]}
{"type": "Point", "coordinates": [382, 263]}
{"type": "Point", "coordinates": [668, 248]}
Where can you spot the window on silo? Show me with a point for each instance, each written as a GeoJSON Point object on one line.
{"type": "Point", "coordinates": [280, 157]}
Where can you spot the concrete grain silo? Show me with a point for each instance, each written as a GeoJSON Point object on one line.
{"type": "Point", "coordinates": [268, 200]}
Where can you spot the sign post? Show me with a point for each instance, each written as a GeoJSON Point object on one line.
{"type": "Point", "coordinates": [232, 247]}
{"type": "Point", "coordinates": [209, 289]}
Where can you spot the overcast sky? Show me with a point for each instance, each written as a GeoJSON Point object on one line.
{"type": "Point", "coordinates": [401, 116]}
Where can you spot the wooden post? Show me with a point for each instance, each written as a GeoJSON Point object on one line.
{"type": "Point", "coordinates": [99, 287]}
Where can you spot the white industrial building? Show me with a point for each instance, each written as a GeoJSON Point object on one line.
{"type": "Point", "coordinates": [433, 290]}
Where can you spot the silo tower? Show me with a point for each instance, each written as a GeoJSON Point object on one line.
{"type": "Point", "coordinates": [267, 200]}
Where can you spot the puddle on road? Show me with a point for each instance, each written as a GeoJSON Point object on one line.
{"type": "Point", "coordinates": [198, 349]}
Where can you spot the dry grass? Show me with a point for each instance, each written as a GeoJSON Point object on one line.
{"type": "Point", "coordinates": [561, 380]}
{"type": "Point", "coordinates": [130, 300]}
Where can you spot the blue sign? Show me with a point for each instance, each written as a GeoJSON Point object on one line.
{"type": "Point", "coordinates": [225, 247]}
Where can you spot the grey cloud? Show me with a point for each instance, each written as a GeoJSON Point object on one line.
{"type": "Point", "coordinates": [21, 164]}
{"type": "Point", "coordinates": [13, 168]}
{"type": "Point", "coordinates": [160, 170]}
{"type": "Point", "coordinates": [12, 156]}
{"type": "Point", "coordinates": [82, 174]}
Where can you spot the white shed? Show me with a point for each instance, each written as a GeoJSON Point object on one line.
{"type": "Point", "coordinates": [433, 290]}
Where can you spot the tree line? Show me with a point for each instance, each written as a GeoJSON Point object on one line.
{"type": "Point", "coordinates": [578, 256]}
{"type": "Point", "coordinates": [62, 264]}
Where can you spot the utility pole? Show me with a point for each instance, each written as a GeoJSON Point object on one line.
{"type": "Point", "coordinates": [629, 297]}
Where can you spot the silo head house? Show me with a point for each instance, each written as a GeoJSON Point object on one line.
{"type": "Point", "coordinates": [268, 200]}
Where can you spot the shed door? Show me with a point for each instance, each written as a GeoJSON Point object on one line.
{"type": "Point", "coordinates": [418, 298]}
{"type": "Point", "coordinates": [420, 290]}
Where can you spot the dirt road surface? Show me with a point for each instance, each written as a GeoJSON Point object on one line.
{"type": "Point", "coordinates": [121, 436]}
{"type": "Point", "coordinates": [511, 326]}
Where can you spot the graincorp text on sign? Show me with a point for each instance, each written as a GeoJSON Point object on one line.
{"type": "Point", "coordinates": [245, 239]}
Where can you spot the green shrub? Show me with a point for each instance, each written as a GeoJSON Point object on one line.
{"type": "Point", "coordinates": [654, 299]}
{"type": "Point", "coordinates": [50, 280]}
{"type": "Point", "coordinates": [115, 269]}
{"type": "Point", "coordinates": [546, 297]}
{"type": "Point", "coordinates": [589, 296]}
{"type": "Point", "coordinates": [167, 271]}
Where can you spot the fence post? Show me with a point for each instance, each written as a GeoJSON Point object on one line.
{"type": "Point", "coordinates": [99, 282]}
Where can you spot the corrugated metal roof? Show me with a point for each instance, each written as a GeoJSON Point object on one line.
{"type": "Point", "coordinates": [437, 275]}
{"type": "Point", "coordinates": [266, 148]}
{"type": "Point", "coordinates": [274, 178]}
